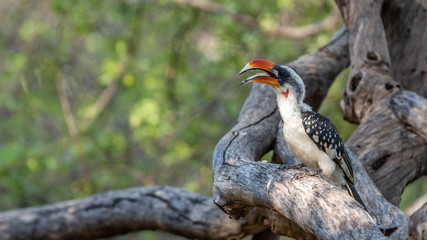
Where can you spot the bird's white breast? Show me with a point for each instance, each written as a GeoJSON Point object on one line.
{"type": "Point", "coordinates": [300, 144]}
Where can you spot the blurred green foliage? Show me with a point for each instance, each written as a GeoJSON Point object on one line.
{"type": "Point", "coordinates": [150, 87]}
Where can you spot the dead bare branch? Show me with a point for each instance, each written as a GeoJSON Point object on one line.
{"type": "Point", "coordinates": [315, 205]}
{"type": "Point", "coordinates": [99, 104]}
{"type": "Point", "coordinates": [118, 212]}
{"type": "Point", "coordinates": [331, 22]}
{"type": "Point", "coordinates": [416, 205]}
{"type": "Point", "coordinates": [109, 91]}
{"type": "Point", "coordinates": [71, 124]}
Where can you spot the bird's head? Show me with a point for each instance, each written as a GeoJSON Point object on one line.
{"type": "Point", "coordinates": [283, 79]}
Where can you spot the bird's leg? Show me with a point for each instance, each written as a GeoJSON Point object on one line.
{"type": "Point", "coordinates": [287, 167]}
{"type": "Point", "coordinates": [315, 172]}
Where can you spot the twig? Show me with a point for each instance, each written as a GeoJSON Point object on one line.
{"type": "Point", "coordinates": [99, 105]}
{"type": "Point", "coordinates": [296, 33]}
{"type": "Point", "coordinates": [330, 22]}
{"type": "Point", "coordinates": [416, 205]}
{"type": "Point", "coordinates": [108, 93]}
{"type": "Point", "coordinates": [71, 124]}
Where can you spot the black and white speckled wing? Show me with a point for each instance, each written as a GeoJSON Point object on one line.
{"type": "Point", "coordinates": [326, 137]}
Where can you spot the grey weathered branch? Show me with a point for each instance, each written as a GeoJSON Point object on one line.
{"type": "Point", "coordinates": [321, 209]}
{"type": "Point", "coordinates": [118, 212]}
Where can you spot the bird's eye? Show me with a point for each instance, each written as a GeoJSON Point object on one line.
{"type": "Point", "coordinates": [283, 75]}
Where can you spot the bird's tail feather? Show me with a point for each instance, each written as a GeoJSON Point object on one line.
{"type": "Point", "coordinates": [354, 193]}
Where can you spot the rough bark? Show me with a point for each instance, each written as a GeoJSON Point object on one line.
{"type": "Point", "coordinates": [411, 110]}
{"type": "Point", "coordinates": [370, 60]}
{"type": "Point", "coordinates": [405, 28]}
{"type": "Point", "coordinates": [393, 157]}
{"type": "Point", "coordinates": [318, 207]}
{"type": "Point", "coordinates": [372, 92]}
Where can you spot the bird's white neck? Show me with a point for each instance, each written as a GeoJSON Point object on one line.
{"type": "Point", "coordinates": [289, 107]}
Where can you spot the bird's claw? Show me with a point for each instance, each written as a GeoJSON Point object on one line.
{"type": "Point", "coordinates": [297, 176]}
{"type": "Point", "coordinates": [287, 167]}
{"type": "Point", "coordinates": [315, 172]}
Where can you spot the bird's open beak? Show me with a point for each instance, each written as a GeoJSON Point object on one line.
{"type": "Point", "coordinates": [269, 77]}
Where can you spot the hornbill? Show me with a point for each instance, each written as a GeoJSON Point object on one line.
{"type": "Point", "coordinates": [311, 137]}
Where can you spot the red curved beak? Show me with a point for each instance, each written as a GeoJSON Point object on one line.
{"type": "Point", "coordinates": [269, 77]}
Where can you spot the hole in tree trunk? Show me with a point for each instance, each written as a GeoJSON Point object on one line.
{"type": "Point", "coordinates": [372, 56]}
{"type": "Point", "coordinates": [355, 80]}
{"type": "Point", "coordinates": [388, 86]}
{"type": "Point", "coordinates": [380, 162]}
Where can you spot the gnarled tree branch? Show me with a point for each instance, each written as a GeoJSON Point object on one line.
{"type": "Point", "coordinates": [318, 207]}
